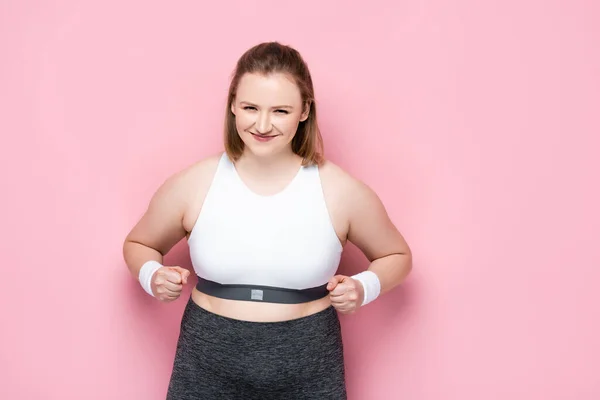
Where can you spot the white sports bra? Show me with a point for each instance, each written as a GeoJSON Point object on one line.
{"type": "Point", "coordinates": [285, 240]}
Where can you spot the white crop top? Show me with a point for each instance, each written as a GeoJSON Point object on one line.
{"type": "Point", "coordinates": [284, 240]}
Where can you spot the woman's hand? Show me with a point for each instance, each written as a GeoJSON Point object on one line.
{"type": "Point", "coordinates": [346, 294]}
{"type": "Point", "coordinates": [167, 283]}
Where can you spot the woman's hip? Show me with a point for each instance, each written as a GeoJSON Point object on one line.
{"type": "Point", "coordinates": [304, 355]}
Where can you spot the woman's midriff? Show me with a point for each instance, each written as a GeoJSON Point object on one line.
{"type": "Point", "coordinates": [258, 312]}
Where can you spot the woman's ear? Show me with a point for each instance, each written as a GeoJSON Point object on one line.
{"type": "Point", "coordinates": [306, 111]}
{"type": "Point", "coordinates": [232, 106]}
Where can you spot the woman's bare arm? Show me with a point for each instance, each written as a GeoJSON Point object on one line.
{"type": "Point", "coordinates": [372, 231]}
{"type": "Point", "coordinates": [161, 226]}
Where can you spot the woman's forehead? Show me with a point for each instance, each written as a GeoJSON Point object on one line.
{"type": "Point", "coordinates": [270, 90]}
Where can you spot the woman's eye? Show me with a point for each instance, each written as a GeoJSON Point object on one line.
{"type": "Point", "coordinates": [252, 108]}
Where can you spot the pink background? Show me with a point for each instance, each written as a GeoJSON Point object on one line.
{"type": "Point", "coordinates": [477, 122]}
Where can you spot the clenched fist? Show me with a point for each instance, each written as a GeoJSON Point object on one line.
{"type": "Point", "coordinates": [346, 294]}
{"type": "Point", "coordinates": [167, 283]}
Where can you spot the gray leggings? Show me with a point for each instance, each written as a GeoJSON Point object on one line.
{"type": "Point", "coordinates": [223, 358]}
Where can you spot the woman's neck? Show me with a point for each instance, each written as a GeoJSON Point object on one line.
{"type": "Point", "coordinates": [273, 165]}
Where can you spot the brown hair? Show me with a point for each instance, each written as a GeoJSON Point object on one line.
{"type": "Point", "coordinates": [273, 57]}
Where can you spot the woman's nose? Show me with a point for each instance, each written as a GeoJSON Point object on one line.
{"type": "Point", "coordinates": [263, 124]}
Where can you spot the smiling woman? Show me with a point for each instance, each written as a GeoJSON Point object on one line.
{"type": "Point", "coordinates": [268, 107]}
{"type": "Point", "coordinates": [266, 223]}
{"type": "Point", "coordinates": [270, 98]}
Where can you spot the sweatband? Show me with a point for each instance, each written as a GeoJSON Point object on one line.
{"type": "Point", "coordinates": [145, 276]}
{"type": "Point", "coordinates": [371, 285]}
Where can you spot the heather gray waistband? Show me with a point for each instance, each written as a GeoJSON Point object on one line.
{"type": "Point", "coordinates": [265, 294]}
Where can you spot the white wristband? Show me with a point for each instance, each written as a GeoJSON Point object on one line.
{"type": "Point", "coordinates": [145, 276]}
{"type": "Point", "coordinates": [371, 285]}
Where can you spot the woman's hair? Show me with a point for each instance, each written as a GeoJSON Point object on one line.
{"type": "Point", "coordinates": [273, 57]}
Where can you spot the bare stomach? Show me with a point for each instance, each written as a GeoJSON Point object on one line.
{"type": "Point", "coordinates": [258, 312]}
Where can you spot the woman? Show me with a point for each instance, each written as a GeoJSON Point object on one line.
{"type": "Point", "coordinates": [266, 222]}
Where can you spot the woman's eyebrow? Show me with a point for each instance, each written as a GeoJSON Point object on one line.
{"type": "Point", "coordinates": [254, 105]}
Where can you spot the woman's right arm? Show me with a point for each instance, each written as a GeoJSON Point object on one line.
{"type": "Point", "coordinates": [161, 226]}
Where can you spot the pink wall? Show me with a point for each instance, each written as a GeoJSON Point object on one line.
{"type": "Point", "coordinates": [476, 122]}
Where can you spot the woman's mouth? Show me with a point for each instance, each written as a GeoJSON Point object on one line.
{"type": "Point", "coordinates": [263, 138]}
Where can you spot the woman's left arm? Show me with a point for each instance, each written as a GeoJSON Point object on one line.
{"type": "Point", "coordinates": [372, 231]}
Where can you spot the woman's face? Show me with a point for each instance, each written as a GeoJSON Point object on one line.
{"type": "Point", "coordinates": [267, 109]}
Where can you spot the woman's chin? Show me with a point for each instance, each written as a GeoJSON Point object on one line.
{"type": "Point", "coordinates": [266, 148]}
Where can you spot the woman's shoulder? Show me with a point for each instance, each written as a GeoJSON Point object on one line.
{"type": "Point", "coordinates": [334, 175]}
{"type": "Point", "coordinates": [336, 180]}
{"type": "Point", "coordinates": [201, 169]}
{"type": "Point", "coordinates": [185, 182]}
{"type": "Point", "coordinates": [205, 167]}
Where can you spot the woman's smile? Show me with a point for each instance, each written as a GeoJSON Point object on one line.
{"type": "Point", "coordinates": [263, 138]}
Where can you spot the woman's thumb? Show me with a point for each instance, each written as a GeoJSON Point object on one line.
{"type": "Point", "coordinates": [332, 283]}
{"type": "Point", "coordinates": [184, 275]}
